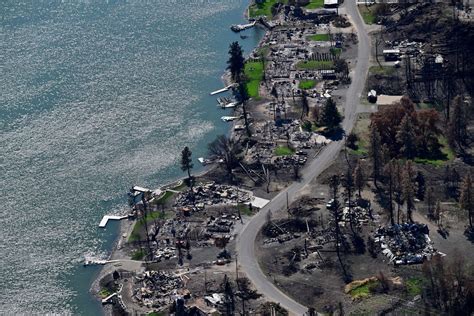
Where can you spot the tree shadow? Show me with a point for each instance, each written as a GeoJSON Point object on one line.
{"type": "Point", "coordinates": [334, 134]}
{"type": "Point", "coordinates": [469, 233]}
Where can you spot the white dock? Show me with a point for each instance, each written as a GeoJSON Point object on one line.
{"type": "Point", "coordinates": [106, 218]}
{"type": "Point", "coordinates": [241, 27]}
{"type": "Point", "coordinates": [223, 89]}
{"type": "Point", "coordinates": [229, 118]}
{"type": "Point", "coordinates": [229, 105]}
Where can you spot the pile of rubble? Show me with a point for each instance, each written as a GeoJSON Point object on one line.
{"type": "Point", "coordinates": [156, 289]}
{"type": "Point", "coordinates": [405, 243]}
{"type": "Point", "coordinates": [212, 194]}
{"type": "Point", "coordinates": [289, 161]}
{"type": "Point", "coordinates": [359, 214]}
{"type": "Point", "coordinates": [222, 224]}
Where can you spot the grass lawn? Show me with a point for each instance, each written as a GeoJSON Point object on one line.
{"type": "Point", "coordinates": [165, 197]}
{"type": "Point", "coordinates": [315, 4]}
{"type": "Point", "coordinates": [284, 151]}
{"type": "Point", "coordinates": [319, 37]}
{"type": "Point", "coordinates": [307, 84]}
{"type": "Point", "coordinates": [264, 8]}
{"type": "Point", "coordinates": [135, 235]}
{"type": "Point", "coordinates": [361, 129]}
{"type": "Point", "coordinates": [253, 71]}
{"type": "Point", "coordinates": [138, 255]}
{"type": "Point", "coordinates": [104, 293]}
{"type": "Point", "coordinates": [414, 286]}
{"type": "Point", "coordinates": [368, 13]}
{"type": "Point", "coordinates": [156, 314]}
{"type": "Point", "coordinates": [364, 290]}
{"type": "Point", "coordinates": [244, 209]}
{"type": "Point", "coordinates": [314, 64]}
{"type": "Point", "coordinates": [384, 70]}
{"type": "Point", "coordinates": [335, 51]}
{"type": "Point", "coordinates": [446, 151]}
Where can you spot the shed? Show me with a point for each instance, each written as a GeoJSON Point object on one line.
{"type": "Point", "coordinates": [387, 100]}
{"type": "Point", "coordinates": [331, 3]}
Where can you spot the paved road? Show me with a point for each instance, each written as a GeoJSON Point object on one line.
{"type": "Point", "coordinates": [246, 240]}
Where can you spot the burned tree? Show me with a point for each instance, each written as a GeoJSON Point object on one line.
{"type": "Point", "coordinates": [359, 178]}
{"type": "Point", "coordinates": [375, 152]}
{"type": "Point", "coordinates": [467, 198]}
{"type": "Point", "coordinates": [390, 174]}
{"type": "Point", "coordinates": [243, 94]}
{"type": "Point", "coordinates": [336, 213]}
{"type": "Point", "coordinates": [408, 190]}
{"type": "Point", "coordinates": [406, 138]}
{"type": "Point", "coordinates": [457, 125]}
{"type": "Point", "coordinates": [225, 149]}
{"type": "Point", "coordinates": [430, 202]}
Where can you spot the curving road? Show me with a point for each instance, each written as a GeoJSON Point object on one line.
{"type": "Point", "coordinates": [246, 240]}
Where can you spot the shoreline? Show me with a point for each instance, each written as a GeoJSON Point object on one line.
{"type": "Point", "coordinates": [126, 226]}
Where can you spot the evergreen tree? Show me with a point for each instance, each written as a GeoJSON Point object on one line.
{"type": "Point", "coordinates": [236, 61]}
{"type": "Point", "coordinates": [375, 152]}
{"type": "Point", "coordinates": [330, 116]}
{"type": "Point", "coordinates": [187, 162]}
{"type": "Point", "coordinates": [304, 105]}
{"type": "Point", "coordinates": [406, 137]}
{"type": "Point", "coordinates": [352, 140]}
{"type": "Point", "coordinates": [467, 198]}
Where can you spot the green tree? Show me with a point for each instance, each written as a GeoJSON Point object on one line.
{"type": "Point", "coordinates": [236, 61]}
{"type": "Point", "coordinates": [304, 105]}
{"type": "Point", "coordinates": [352, 140]}
{"type": "Point", "coordinates": [330, 116]}
{"type": "Point", "coordinates": [186, 162]}
{"type": "Point", "coordinates": [406, 137]}
{"type": "Point", "coordinates": [467, 198]}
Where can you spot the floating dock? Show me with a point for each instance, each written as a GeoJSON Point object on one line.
{"type": "Point", "coordinates": [229, 118]}
{"type": "Point", "coordinates": [106, 218]}
{"type": "Point", "coordinates": [223, 89]}
{"type": "Point", "coordinates": [240, 27]}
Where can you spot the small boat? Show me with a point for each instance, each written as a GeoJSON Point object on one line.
{"type": "Point", "coordinates": [204, 161]}
{"type": "Point", "coordinates": [243, 36]}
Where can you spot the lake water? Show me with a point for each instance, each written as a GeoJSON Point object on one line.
{"type": "Point", "coordinates": [96, 96]}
